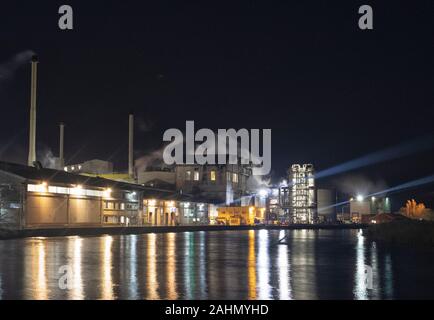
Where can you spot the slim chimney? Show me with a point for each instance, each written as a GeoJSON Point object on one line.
{"type": "Point", "coordinates": [61, 146]}
{"type": "Point", "coordinates": [32, 128]}
{"type": "Point", "coordinates": [131, 147]}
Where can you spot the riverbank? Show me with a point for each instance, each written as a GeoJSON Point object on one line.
{"type": "Point", "coordinates": [408, 232]}
{"type": "Point", "coordinates": [9, 234]}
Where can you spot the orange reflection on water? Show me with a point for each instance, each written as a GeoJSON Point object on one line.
{"type": "Point", "coordinates": [77, 288]}
{"type": "Point", "coordinates": [39, 270]}
{"type": "Point", "coordinates": [107, 283]}
{"type": "Point", "coordinates": [151, 274]}
{"type": "Point", "coordinates": [172, 294]}
{"type": "Point", "coordinates": [252, 266]}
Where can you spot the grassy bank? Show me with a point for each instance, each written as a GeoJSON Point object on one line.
{"type": "Point", "coordinates": [411, 232]}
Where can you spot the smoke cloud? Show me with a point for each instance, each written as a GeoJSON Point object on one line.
{"type": "Point", "coordinates": [150, 159]}
{"type": "Point", "coordinates": [47, 158]}
{"type": "Point", "coordinates": [8, 68]}
{"type": "Point", "coordinates": [359, 184]}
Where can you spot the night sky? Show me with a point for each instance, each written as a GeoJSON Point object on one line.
{"type": "Point", "coordinates": [329, 91]}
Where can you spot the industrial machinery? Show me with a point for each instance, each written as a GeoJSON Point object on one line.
{"type": "Point", "coordinates": [236, 216]}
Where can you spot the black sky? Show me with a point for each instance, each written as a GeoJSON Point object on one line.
{"type": "Point", "coordinates": [329, 91]}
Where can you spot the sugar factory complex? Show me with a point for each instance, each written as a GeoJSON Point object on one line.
{"type": "Point", "coordinates": [92, 194]}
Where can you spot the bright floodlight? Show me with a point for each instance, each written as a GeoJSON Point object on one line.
{"type": "Point", "coordinates": [263, 193]}
{"type": "Point", "coordinates": [359, 198]}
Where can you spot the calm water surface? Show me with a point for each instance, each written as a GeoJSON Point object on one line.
{"type": "Point", "coordinates": [315, 264]}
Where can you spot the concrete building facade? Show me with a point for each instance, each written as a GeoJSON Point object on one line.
{"type": "Point", "coordinates": [225, 184]}
{"type": "Point", "coordinates": [46, 198]}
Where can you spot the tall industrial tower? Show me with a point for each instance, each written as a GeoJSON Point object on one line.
{"type": "Point", "coordinates": [302, 194]}
{"type": "Point", "coordinates": [32, 127]}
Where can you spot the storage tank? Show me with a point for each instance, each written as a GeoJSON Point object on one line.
{"type": "Point", "coordinates": [326, 200]}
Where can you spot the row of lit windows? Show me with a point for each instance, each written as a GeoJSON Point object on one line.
{"type": "Point", "coordinates": [212, 176]}
{"type": "Point", "coordinates": [72, 168]}
{"type": "Point", "coordinates": [76, 191]}
{"type": "Point", "coordinates": [188, 175]}
{"type": "Point", "coordinates": [111, 205]}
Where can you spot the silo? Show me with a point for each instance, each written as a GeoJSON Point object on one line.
{"type": "Point", "coordinates": [326, 200]}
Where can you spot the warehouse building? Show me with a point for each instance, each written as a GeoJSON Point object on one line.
{"type": "Point", "coordinates": [36, 197]}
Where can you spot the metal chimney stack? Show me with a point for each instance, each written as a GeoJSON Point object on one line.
{"type": "Point", "coordinates": [131, 147]}
{"type": "Point", "coordinates": [61, 146]}
{"type": "Point", "coordinates": [32, 128]}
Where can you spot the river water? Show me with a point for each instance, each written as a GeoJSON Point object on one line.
{"type": "Point", "coordinates": [313, 264]}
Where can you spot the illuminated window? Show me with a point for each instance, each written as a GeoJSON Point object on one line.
{"type": "Point", "coordinates": [122, 206]}
{"type": "Point", "coordinates": [228, 176]}
{"type": "Point", "coordinates": [212, 175]}
{"type": "Point", "coordinates": [188, 175]}
{"type": "Point", "coordinates": [235, 178]}
{"type": "Point", "coordinates": [196, 176]}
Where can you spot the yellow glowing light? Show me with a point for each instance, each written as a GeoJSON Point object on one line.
{"type": "Point", "coordinates": [170, 204]}
{"type": "Point", "coordinates": [43, 187]}
{"type": "Point", "coordinates": [107, 192]}
{"type": "Point", "coordinates": [151, 202]}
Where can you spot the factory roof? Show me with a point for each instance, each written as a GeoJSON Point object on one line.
{"type": "Point", "coordinates": [39, 175]}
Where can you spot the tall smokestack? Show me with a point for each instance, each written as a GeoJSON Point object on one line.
{"type": "Point", "coordinates": [32, 128]}
{"type": "Point", "coordinates": [131, 147]}
{"type": "Point", "coordinates": [61, 145]}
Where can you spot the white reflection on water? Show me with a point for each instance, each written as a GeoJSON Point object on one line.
{"type": "Point", "coordinates": [133, 286]}
{"type": "Point", "coordinates": [151, 275]}
{"type": "Point", "coordinates": [284, 270]}
{"type": "Point", "coordinates": [202, 265]}
{"type": "Point", "coordinates": [189, 265]}
{"type": "Point", "coordinates": [107, 283]}
{"type": "Point", "coordinates": [263, 265]}
{"type": "Point", "coordinates": [172, 294]}
{"type": "Point", "coordinates": [303, 260]}
{"type": "Point", "coordinates": [361, 291]}
{"type": "Point", "coordinates": [77, 288]}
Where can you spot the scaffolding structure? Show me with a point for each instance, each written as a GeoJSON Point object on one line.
{"type": "Point", "coordinates": [302, 195]}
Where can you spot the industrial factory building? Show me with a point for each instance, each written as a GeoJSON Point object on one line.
{"type": "Point", "coordinates": [91, 194]}
{"type": "Point", "coordinates": [363, 209]}
{"type": "Point", "coordinates": [95, 166]}
{"type": "Point", "coordinates": [45, 198]}
{"type": "Point", "coordinates": [302, 195]}
{"type": "Point", "coordinates": [219, 183]}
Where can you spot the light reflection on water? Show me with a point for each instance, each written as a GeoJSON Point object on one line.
{"type": "Point", "coordinates": [263, 266]}
{"type": "Point", "coordinates": [322, 264]}
{"type": "Point", "coordinates": [107, 283]}
{"type": "Point", "coordinates": [75, 245]}
{"type": "Point", "coordinates": [151, 274]}
{"type": "Point", "coordinates": [283, 263]}
{"type": "Point", "coordinates": [172, 294]}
